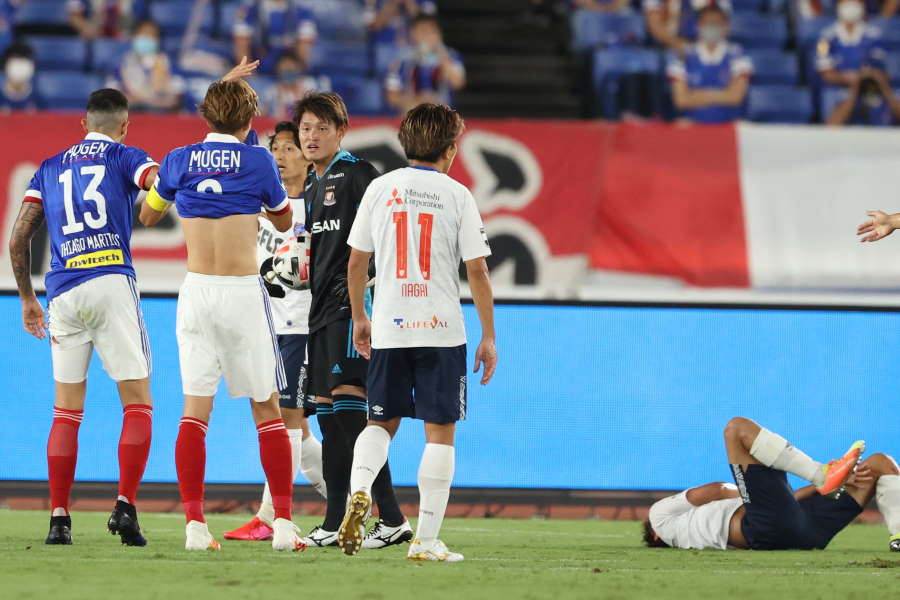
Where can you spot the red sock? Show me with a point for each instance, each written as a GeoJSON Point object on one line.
{"type": "Point", "coordinates": [275, 454]}
{"type": "Point", "coordinates": [134, 447]}
{"type": "Point", "coordinates": [62, 453]}
{"type": "Point", "coordinates": [190, 463]}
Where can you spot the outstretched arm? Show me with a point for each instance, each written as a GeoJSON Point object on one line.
{"type": "Point", "coordinates": [31, 217]}
{"type": "Point", "coordinates": [879, 226]}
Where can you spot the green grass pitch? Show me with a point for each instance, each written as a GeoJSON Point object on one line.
{"type": "Point", "coordinates": [504, 559]}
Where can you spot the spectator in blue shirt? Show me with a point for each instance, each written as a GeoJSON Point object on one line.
{"type": "Point", "coordinates": [295, 80]}
{"type": "Point", "coordinates": [145, 75]}
{"type": "Point", "coordinates": [387, 20]}
{"type": "Point", "coordinates": [430, 72]}
{"type": "Point", "coordinates": [710, 81]}
{"type": "Point", "coordinates": [849, 46]}
{"type": "Point", "coordinates": [7, 18]}
{"type": "Point", "coordinates": [673, 23]}
{"type": "Point", "coordinates": [17, 91]}
{"type": "Point", "coordinates": [266, 29]}
{"type": "Point", "coordinates": [870, 101]}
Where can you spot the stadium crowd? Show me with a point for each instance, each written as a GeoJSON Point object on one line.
{"type": "Point", "coordinates": [382, 56]}
{"type": "Point", "coordinates": [714, 61]}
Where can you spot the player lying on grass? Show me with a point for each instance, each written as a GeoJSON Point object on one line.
{"type": "Point", "coordinates": [224, 321]}
{"type": "Point", "coordinates": [763, 512]}
{"type": "Point", "coordinates": [87, 194]}
{"type": "Point", "coordinates": [420, 224]}
{"type": "Point", "coordinates": [290, 310]}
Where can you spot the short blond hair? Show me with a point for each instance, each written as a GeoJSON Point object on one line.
{"type": "Point", "coordinates": [229, 105]}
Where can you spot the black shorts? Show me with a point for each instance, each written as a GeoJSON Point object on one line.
{"type": "Point", "coordinates": [775, 520]}
{"type": "Point", "coordinates": [333, 360]}
{"type": "Point", "coordinates": [293, 354]}
{"type": "Point", "coordinates": [423, 383]}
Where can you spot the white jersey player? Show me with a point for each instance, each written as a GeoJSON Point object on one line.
{"type": "Point", "coordinates": [290, 313]}
{"type": "Point", "coordinates": [419, 223]}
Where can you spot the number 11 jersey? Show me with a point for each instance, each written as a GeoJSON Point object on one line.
{"type": "Point", "coordinates": [419, 223]}
{"type": "Point", "coordinates": [88, 193]}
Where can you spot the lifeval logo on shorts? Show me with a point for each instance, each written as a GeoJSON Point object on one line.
{"type": "Point", "coordinates": [96, 259]}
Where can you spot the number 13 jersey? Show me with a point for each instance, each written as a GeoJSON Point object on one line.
{"type": "Point", "coordinates": [88, 193]}
{"type": "Point", "coordinates": [419, 223]}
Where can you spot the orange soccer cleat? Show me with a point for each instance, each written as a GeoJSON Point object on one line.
{"type": "Point", "coordinates": [838, 471]}
{"type": "Point", "coordinates": [254, 531]}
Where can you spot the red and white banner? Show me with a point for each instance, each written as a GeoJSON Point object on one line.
{"type": "Point", "coordinates": [594, 210]}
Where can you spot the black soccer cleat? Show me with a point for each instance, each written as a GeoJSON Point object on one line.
{"type": "Point", "coordinates": [124, 522]}
{"type": "Point", "coordinates": [60, 531]}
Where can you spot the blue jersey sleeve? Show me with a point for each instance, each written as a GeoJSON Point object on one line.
{"type": "Point", "coordinates": [274, 195]}
{"type": "Point", "coordinates": [135, 163]}
{"type": "Point", "coordinates": [34, 190]}
{"type": "Point", "coordinates": [167, 180]}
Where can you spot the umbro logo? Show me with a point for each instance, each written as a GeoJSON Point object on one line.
{"type": "Point", "coordinates": [395, 198]}
{"type": "Point", "coordinates": [336, 370]}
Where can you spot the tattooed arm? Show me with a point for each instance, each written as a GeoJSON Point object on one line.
{"type": "Point", "coordinates": [31, 217]}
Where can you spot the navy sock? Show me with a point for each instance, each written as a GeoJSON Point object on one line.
{"type": "Point", "coordinates": [335, 468]}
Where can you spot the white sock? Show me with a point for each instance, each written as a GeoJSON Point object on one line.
{"type": "Point", "coordinates": [435, 476]}
{"type": "Point", "coordinates": [369, 455]}
{"type": "Point", "coordinates": [266, 512]}
{"type": "Point", "coordinates": [774, 451]}
{"type": "Point", "coordinates": [311, 464]}
{"type": "Point", "coordinates": [887, 497]}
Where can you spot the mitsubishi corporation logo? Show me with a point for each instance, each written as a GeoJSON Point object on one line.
{"type": "Point", "coordinates": [395, 198]}
{"type": "Point", "coordinates": [434, 323]}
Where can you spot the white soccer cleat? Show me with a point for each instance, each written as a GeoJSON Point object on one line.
{"type": "Point", "coordinates": [435, 551]}
{"type": "Point", "coordinates": [198, 537]}
{"type": "Point", "coordinates": [382, 536]}
{"type": "Point", "coordinates": [319, 537]}
{"type": "Point", "coordinates": [284, 536]}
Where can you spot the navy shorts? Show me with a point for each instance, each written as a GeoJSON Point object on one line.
{"type": "Point", "coordinates": [775, 520]}
{"type": "Point", "coordinates": [293, 355]}
{"type": "Point", "coordinates": [422, 383]}
{"type": "Point", "coordinates": [333, 360]}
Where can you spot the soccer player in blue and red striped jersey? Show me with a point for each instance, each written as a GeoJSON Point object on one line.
{"type": "Point", "coordinates": [87, 193]}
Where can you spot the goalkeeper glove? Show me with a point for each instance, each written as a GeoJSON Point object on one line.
{"type": "Point", "coordinates": [270, 279]}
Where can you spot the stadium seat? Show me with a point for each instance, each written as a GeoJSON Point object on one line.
{"type": "Point", "coordinates": [42, 12]}
{"type": "Point", "coordinates": [809, 30]}
{"type": "Point", "coordinates": [106, 54]}
{"type": "Point", "coordinates": [892, 66]}
{"type": "Point", "coordinates": [890, 31]}
{"type": "Point", "coordinates": [779, 104]}
{"type": "Point", "coordinates": [748, 6]}
{"type": "Point", "coordinates": [338, 19]}
{"type": "Point", "coordinates": [54, 52]}
{"type": "Point", "coordinates": [364, 96]}
{"type": "Point", "coordinates": [592, 29]}
{"type": "Point", "coordinates": [174, 16]}
{"type": "Point", "coordinates": [611, 65]}
{"type": "Point", "coordinates": [385, 56]}
{"type": "Point", "coordinates": [774, 67]}
{"type": "Point", "coordinates": [66, 90]}
{"type": "Point", "coordinates": [330, 57]}
{"type": "Point", "coordinates": [760, 31]}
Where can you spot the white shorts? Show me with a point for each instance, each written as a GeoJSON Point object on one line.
{"type": "Point", "coordinates": [103, 313]}
{"type": "Point", "coordinates": [224, 328]}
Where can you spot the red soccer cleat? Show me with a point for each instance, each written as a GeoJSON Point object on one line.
{"type": "Point", "coordinates": [254, 531]}
{"type": "Point", "coordinates": [838, 471]}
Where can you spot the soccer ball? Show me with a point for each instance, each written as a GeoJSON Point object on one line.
{"type": "Point", "coordinates": [291, 264]}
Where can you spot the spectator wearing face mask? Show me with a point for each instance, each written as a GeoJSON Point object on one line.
{"type": "Point", "coordinates": [673, 23]}
{"type": "Point", "coordinates": [387, 20]}
{"type": "Point", "coordinates": [17, 91]}
{"type": "Point", "coordinates": [266, 29]}
{"type": "Point", "coordinates": [870, 101]}
{"type": "Point", "coordinates": [145, 74]}
{"type": "Point", "coordinates": [430, 72]}
{"type": "Point", "coordinates": [849, 46]}
{"type": "Point", "coordinates": [710, 81]}
{"type": "Point", "coordinates": [294, 82]}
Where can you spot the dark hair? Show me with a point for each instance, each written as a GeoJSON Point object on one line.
{"type": "Point", "coordinates": [651, 540]}
{"type": "Point", "coordinates": [107, 100]}
{"type": "Point", "coordinates": [713, 9]}
{"type": "Point", "coordinates": [150, 22]}
{"type": "Point", "coordinates": [286, 126]}
{"type": "Point", "coordinates": [328, 106]}
{"type": "Point", "coordinates": [16, 50]}
{"type": "Point", "coordinates": [424, 19]}
{"type": "Point", "coordinates": [229, 106]}
{"type": "Point", "coordinates": [428, 130]}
